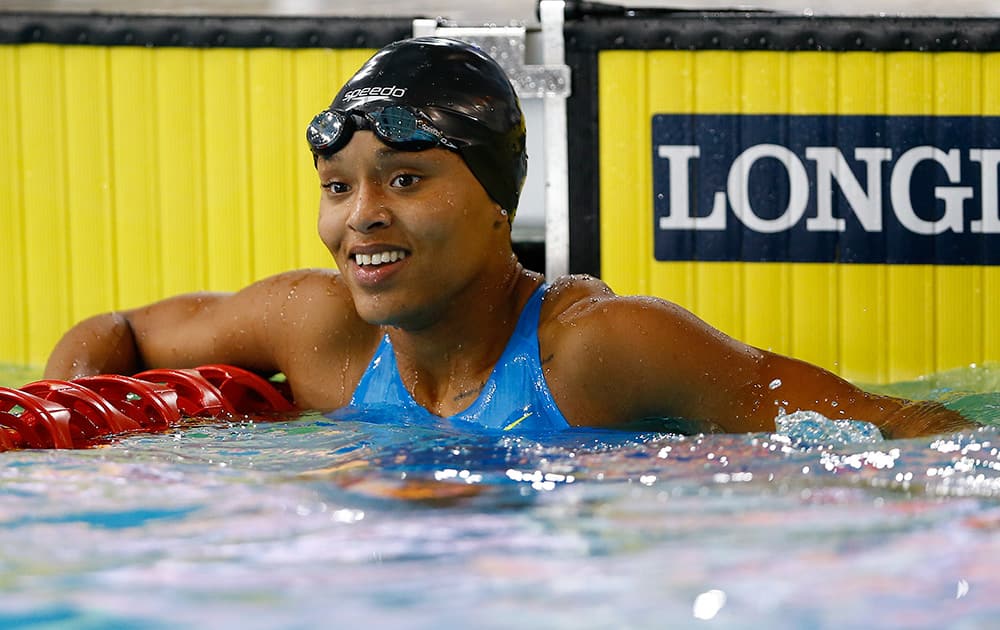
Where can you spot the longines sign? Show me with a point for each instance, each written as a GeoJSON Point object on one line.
{"type": "Point", "coordinates": [857, 189]}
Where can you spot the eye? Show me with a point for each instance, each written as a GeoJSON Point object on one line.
{"type": "Point", "coordinates": [335, 187]}
{"type": "Point", "coordinates": [404, 181]}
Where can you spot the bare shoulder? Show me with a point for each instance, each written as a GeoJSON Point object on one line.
{"type": "Point", "coordinates": [569, 297]}
{"type": "Point", "coordinates": [320, 342]}
{"type": "Point", "coordinates": [587, 304]}
{"type": "Point", "coordinates": [301, 288]}
{"type": "Point", "coordinates": [308, 306]}
{"type": "Point", "coordinates": [283, 297]}
{"type": "Point", "coordinates": [301, 284]}
{"type": "Point", "coordinates": [608, 357]}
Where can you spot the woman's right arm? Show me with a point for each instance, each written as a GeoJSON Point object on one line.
{"type": "Point", "coordinates": [181, 331]}
{"type": "Point", "coordinates": [101, 344]}
{"type": "Point", "coordinates": [246, 328]}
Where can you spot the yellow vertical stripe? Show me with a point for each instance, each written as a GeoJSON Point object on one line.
{"type": "Point", "coordinates": [813, 83]}
{"type": "Point", "coordinates": [43, 122]}
{"type": "Point", "coordinates": [88, 180]}
{"type": "Point", "coordinates": [814, 291]}
{"type": "Point", "coordinates": [767, 305]}
{"type": "Point", "coordinates": [958, 323]}
{"type": "Point", "coordinates": [908, 82]}
{"type": "Point", "coordinates": [13, 320]}
{"type": "Point", "coordinates": [135, 167]}
{"type": "Point", "coordinates": [861, 84]}
{"type": "Point", "coordinates": [717, 82]}
{"type": "Point", "coordinates": [910, 304]}
{"type": "Point", "coordinates": [957, 90]}
{"type": "Point", "coordinates": [317, 78]}
{"type": "Point", "coordinates": [626, 226]}
{"type": "Point", "coordinates": [991, 314]}
{"type": "Point", "coordinates": [225, 104]}
{"type": "Point", "coordinates": [989, 91]}
{"type": "Point", "coordinates": [864, 318]}
{"type": "Point", "coordinates": [764, 83]}
{"type": "Point", "coordinates": [180, 161]}
{"type": "Point", "coordinates": [272, 129]}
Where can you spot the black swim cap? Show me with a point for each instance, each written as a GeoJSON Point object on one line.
{"type": "Point", "coordinates": [464, 93]}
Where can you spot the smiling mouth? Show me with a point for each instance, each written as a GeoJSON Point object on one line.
{"type": "Point", "coordinates": [381, 258]}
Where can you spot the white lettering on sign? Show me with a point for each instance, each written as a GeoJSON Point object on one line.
{"type": "Point", "coordinates": [989, 159]}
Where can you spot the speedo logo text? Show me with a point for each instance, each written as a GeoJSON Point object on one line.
{"type": "Point", "coordinates": [375, 90]}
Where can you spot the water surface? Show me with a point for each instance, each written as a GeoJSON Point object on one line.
{"type": "Point", "coordinates": [307, 522]}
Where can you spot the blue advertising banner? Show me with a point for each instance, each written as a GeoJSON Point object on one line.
{"type": "Point", "coordinates": [824, 188]}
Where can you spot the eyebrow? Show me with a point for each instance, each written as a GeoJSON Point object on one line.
{"type": "Point", "coordinates": [384, 153]}
{"type": "Point", "coordinates": [335, 157]}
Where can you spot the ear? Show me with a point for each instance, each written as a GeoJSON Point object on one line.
{"type": "Point", "coordinates": [502, 217]}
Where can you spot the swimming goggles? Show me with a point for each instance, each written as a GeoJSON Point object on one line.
{"type": "Point", "coordinates": [401, 127]}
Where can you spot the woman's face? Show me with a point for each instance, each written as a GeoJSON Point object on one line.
{"type": "Point", "coordinates": [408, 230]}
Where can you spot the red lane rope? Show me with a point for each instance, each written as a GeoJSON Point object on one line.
{"type": "Point", "coordinates": [86, 411]}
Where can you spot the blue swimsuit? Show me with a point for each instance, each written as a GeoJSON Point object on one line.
{"type": "Point", "coordinates": [515, 397]}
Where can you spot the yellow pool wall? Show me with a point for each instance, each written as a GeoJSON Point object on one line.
{"type": "Point", "coordinates": [128, 174]}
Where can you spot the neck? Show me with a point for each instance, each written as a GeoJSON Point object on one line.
{"type": "Point", "coordinates": [444, 363]}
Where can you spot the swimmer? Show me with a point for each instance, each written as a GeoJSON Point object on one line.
{"type": "Point", "coordinates": [420, 160]}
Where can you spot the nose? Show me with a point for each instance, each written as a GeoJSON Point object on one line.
{"type": "Point", "coordinates": [370, 212]}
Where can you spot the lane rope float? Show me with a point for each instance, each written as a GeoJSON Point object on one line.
{"type": "Point", "coordinates": [90, 410]}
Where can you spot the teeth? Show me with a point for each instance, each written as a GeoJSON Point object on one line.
{"type": "Point", "coordinates": [380, 258]}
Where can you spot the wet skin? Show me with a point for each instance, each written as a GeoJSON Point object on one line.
{"type": "Point", "coordinates": [449, 296]}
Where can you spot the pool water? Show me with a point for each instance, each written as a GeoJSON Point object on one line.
{"type": "Point", "coordinates": [309, 522]}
